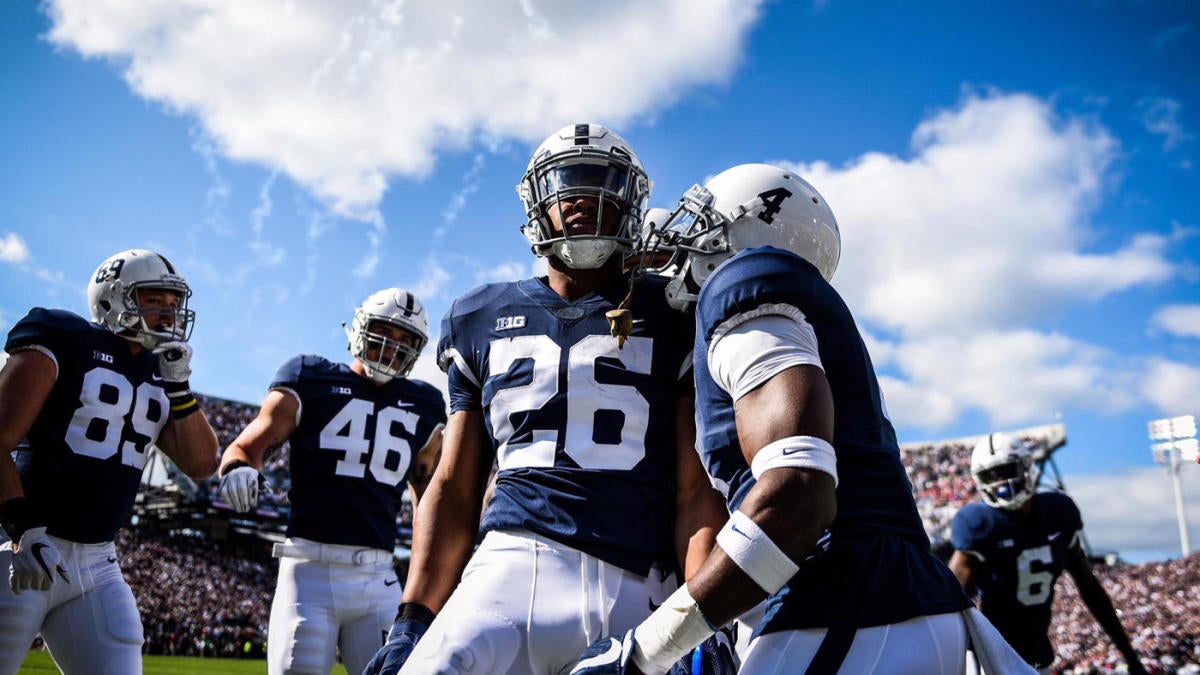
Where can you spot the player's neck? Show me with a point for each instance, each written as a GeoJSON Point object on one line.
{"type": "Point", "coordinates": [572, 284]}
{"type": "Point", "coordinates": [359, 369]}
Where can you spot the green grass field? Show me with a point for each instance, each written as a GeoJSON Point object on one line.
{"type": "Point", "coordinates": [40, 662]}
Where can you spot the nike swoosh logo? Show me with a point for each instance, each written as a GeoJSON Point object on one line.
{"type": "Point", "coordinates": [36, 552]}
{"type": "Point", "coordinates": [611, 655]}
{"type": "Point", "coordinates": [734, 527]}
{"type": "Point", "coordinates": [791, 451]}
{"type": "Point", "coordinates": [391, 582]}
{"type": "Point", "coordinates": [1053, 536]}
{"type": "Point", "coordinates": [154, 377]}
{"type": "Point", "coordinates": [112, 560]}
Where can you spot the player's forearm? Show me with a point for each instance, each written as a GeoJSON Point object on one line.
{"type": "Point", "coordinates": [444, 530]}
{"type": "Point", "coordinates": [699, 515]}
{"type": "Point", "coordinates": [193, 447]}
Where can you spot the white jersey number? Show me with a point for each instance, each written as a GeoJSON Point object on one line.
{"type": "Point", "coordinates": [585, 397]}
{"type": "Point", "coordinates": [98, 425]}
{"type": "Point", "coordinates": [1034, 587]}
{"type": "Point", "coordinates": [347, 431]}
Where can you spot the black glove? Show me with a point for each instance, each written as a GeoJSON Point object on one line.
{"type": "Point", "coordinates": [412, 621]}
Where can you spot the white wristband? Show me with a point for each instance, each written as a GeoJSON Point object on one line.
{"type": "Point", "coordinates": [797, 452]}
{"type": "Point", "coordinates": [669, 632]}
{"type": "Point", "coordinates": [752, 550]}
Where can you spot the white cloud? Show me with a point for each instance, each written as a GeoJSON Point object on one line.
{"type": "Point", "coordinates": [13, 248]}
{"type": "Point", "coordinates": [506, 271]}
{"type": "Point", "coordinates": [1172, 386]}
{"type": "Point", "coordinates": [341, 95]}
{"type": "Point", "coordinates": [953, 256]}
{"type": "Point", "coordinates": [1012, 376]}
{"type": "Point", "coordinates": [1180, 320]}
{"type": "Point", "coordinates": [1160, 116]}
{"type": "Point", "coordinates": [985, 226]}
{"type": "Point", "coordinates": [432, 282]}
{"type": "Point", "coordinates": [1134, 509]}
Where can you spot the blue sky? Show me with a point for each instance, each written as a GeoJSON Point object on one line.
{"type": "Point", "coordinates": [1016, 182]}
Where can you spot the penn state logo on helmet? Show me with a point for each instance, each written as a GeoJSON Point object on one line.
{"type": "Point", "coordinates": [583, 161]}
{"type": "Point", "coordinates": [114, 298]}
{"type": "Point", "coordinates": [1003, 469]}
{"type": "Point", "coordinates": [383, 356]}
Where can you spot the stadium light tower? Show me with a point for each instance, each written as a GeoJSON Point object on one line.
{"type": "Point", "coordinates": [1175, 441]}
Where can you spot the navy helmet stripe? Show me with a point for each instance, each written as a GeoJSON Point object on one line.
{"type": "Point", "coordinates": [581, 134]}
{"type": "Point", "coordinates": [170, 267]}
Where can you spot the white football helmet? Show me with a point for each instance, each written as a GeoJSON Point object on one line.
{"type": "Point", "coordinates": [1004, 471]}
{"type": "Point", "coordinates": [747, 206]}
{"type": "Point", "coordinates": [114, 303]}
{"type": "Point", "coordinates": [583, 160]}
{"type": "Point", "coordinates": [394, 359]}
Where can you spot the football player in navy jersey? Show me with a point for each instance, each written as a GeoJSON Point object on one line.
{"type": "Point", "coordinates": [357, 433]}
{"type": "Point", "coordinates": [81, 403]}
{"type": "Point", "coordinates": [1012, 547]}
{"type": "Point", "coordinates": [599, 488]}
{"type": "Point", "coordinates": [792, 423]}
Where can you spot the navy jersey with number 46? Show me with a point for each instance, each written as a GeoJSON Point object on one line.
{"type": "Point", "coordinates": [584, 431]}
{"type": "Point", "coordinates": [874, 566]}
{"type": "Point", "coordinates": [81, 463]}
{"type": "Point", "coordinates": [1021, 559]}
{"type": "Point", "coordinates": [353, 449]}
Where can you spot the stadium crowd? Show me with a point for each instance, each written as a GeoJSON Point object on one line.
{"type": "Point", "coordinates": [200, 597]}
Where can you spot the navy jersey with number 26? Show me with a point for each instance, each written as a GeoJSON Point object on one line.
{"type": "Point", "coordinates": [583, 432]}
{"type": "Point", "coordinates": [82, 461]}
{"type": "Point", "coordinates": [353, 449]}
{"type": "Point", "coordinates": [874, 566]}
{"type": "Point", "coordinates": [1021, 558]}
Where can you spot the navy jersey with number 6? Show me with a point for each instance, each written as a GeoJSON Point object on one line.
{"type": "Point", "coordinates": [81, 462]}
{"type": "Point", "coordinates": [583, 431]}
{"type": "Point", "coordinates": [1020, 561]}
{"type": "Point", "coordinates": [873, 567]}
{"type": "Point", "coordinates": [352, 450]}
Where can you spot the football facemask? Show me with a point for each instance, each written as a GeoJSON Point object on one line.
{"type": "Point", "coordinates": [583, 163]}
{"type": "Point", "coordinates": [384, 357]}
{"type": "Point", "coordinates": [116, 292]}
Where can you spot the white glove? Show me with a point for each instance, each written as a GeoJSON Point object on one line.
{"type": "Point", "coordinates": [35, 561]}
{"type": "Point", "coordinates": [239, 488]}
{"type": "Point", "coordinates": [174, 361]}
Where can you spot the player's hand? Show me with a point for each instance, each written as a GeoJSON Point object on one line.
{"type": "Point", "coordinates": [174, 361]}
{"type": "Point", "coordinates": [239, 487]}
{"type": "Point", "coordinates": [611, 655]}
{"type": "Point", "coordinates": [401, 641]}
{"type": "Point", "coordinates": [714, 656]}
{"type": "Point", "coordinates": [35, 562]}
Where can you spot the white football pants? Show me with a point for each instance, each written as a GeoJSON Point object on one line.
{"type": "Point", "coordinates": [527, 604]}
{"type": "Point", "coordinates": [90, 625]}
{"type": "Point", "coordinates": [327, 597]}
{"type": "Point", "coordinates": [925, 645]}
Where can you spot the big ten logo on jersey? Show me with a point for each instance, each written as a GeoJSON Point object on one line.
{"type": "Point", "coordinates": [115, 416]}
{"type": "Point", "coordinates": [594, 433]}
{"type": "Point", "coordinates": [342, 391]}
{"type": "Point", "coordinates": [510, 322]}
{"type": "Point", "coordinates": [390, 454]}
{"type": "Point", "coordinates": [101, 356]}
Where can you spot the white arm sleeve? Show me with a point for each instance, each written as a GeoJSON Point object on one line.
{"type": "Point", "coordinates": [748, 350]}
